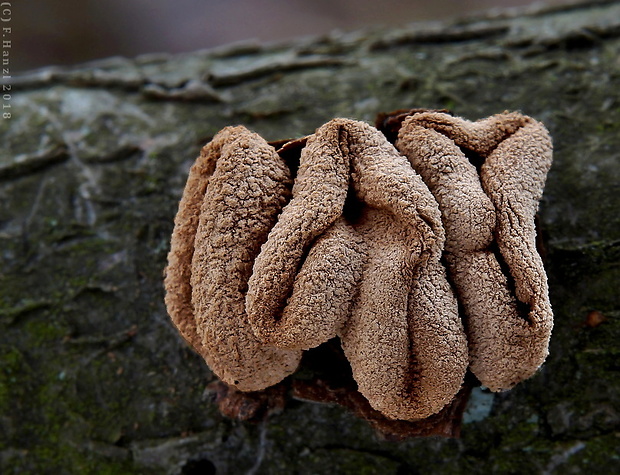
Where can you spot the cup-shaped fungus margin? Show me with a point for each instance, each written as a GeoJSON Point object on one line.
{"type": "Point", "coordinates": [488, 177]}
{"type": "Point", "coordinates": [370, 275]}
{"type": "Point", "coordinates": [234, 193]}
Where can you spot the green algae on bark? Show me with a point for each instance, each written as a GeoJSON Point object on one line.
{"type": "Point", "coordinates": [93, 377]}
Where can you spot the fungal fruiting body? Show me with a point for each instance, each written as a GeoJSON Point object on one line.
{"type": "Point", "coordinates": [490, 246]}
{"type": "Point", "coordinates": [234, 192]}
{"type": "Point", "coordinates": [258, 272]}
{"type": "Point", "coordinates": [369, 279]}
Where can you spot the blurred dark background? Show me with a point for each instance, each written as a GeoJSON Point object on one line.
{"type": "Point", "coordinates": [54, 32]}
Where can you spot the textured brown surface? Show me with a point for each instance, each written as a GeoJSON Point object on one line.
{"type": "Point", "coordinates": [333, 383]}
{"type": "Point", "coordinates": [488, 203]}
{"type": "Point", "coordinates": [92, 171]}
{"type": "Point", "coordinates": [355, 253]}
{"type": "Point", "coordinates": [374, 278]}
{"type": "Point", "coordinates": [234, 192]}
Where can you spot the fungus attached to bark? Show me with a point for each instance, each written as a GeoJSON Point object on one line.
{"type": "Point", "coordinates": [232, 198]}
{"type": "Point", "coordinates": [372, 277]}
{"type": "Point", "coordinates": [488, 203]}
{"type": "Point", "coordinates": [270, 258]}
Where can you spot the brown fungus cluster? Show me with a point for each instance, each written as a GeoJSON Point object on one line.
{"type": "Point", "coordinates": [419, 256]}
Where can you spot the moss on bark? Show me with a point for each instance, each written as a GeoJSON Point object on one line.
{"type": "Point", "coordinates": [94, 378]}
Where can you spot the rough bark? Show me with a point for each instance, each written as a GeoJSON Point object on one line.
{"type": "Point", "coordinates": [93, 376]}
